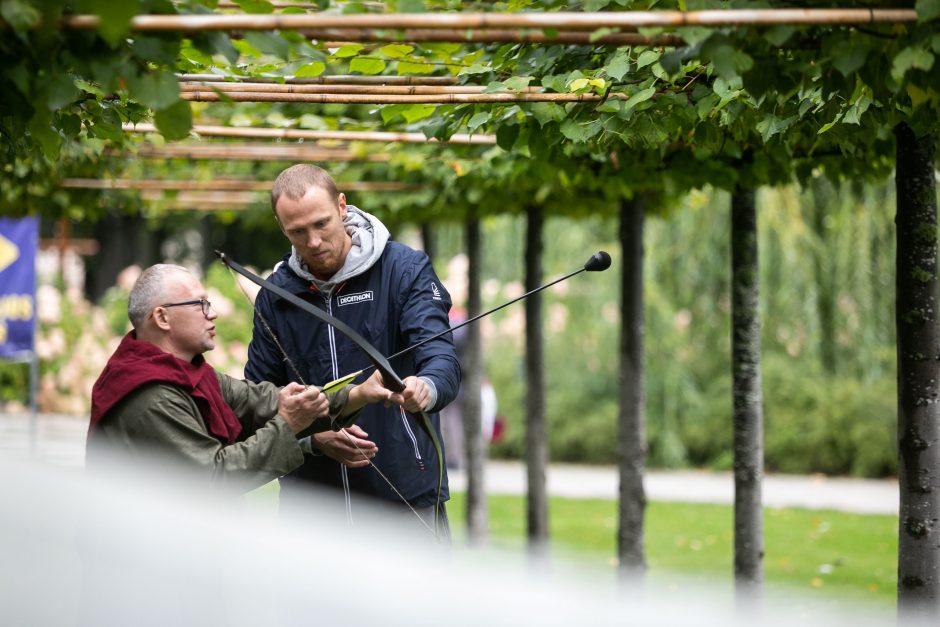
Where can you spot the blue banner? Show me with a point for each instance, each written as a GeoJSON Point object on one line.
{"type": "Point", "coordinates": [19, 240]}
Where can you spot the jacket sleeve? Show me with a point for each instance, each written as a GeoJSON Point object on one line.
{"type": "Point", "coordinates": [165, 420]}
{"type": "Point", "coordinates": [256, 403]}
{"type": "Point", "coordinates": [265, 361]}
{"type": "Point", "coordinates": [424, 314]}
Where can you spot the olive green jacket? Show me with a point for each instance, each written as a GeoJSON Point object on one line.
{"type": "Point", "coordinates": [162, 421]}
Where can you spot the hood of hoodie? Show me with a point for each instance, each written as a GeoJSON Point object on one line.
{"type": "Point", "coordinates": [369, 237]}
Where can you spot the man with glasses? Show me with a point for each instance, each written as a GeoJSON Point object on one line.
{"type": "Point", "coordinates": [158, 396]}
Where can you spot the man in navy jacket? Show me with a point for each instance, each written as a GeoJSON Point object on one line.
{"type": "Point", "coordinates": [342, 261]}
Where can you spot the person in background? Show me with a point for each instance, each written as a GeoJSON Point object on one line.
{"type": "Point", "coordinates": [158, 397]}
{"type": "Point", "coordinates": [342, 260]}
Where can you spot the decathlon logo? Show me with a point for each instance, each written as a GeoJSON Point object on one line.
{"type": "Point", "coordinates": [436, 291]}
{"type": "Point", "coordinates": [352, 299]}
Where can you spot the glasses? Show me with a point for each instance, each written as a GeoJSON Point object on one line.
{"type": "Point", "coordinates": [206, 305]}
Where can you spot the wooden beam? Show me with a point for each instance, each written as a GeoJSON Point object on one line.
{"type": "Point", "coordinates": [332, 37]}
{"type": "Point", "coordinates": [208, 130]}
{"type": "Point", "coordinates": [332, 79]}
{"type": "Point", "coordinates": [341, 89]}
{"type": "Point", "coordinates": [562, 20]}
{"type": "Point", "coordinates": [250, 152]}
{"type": "Point", "coordinates": [501, 97]}
{"type": "Point", "coordinates": [223, 184]}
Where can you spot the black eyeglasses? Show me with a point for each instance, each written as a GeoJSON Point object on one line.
{"type": "Point", "coordinates": [206, 305]}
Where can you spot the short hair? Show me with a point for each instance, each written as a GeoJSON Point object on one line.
{"type": "Point", "coordinates": [149, 292]}
{"type": "Point", "coordinates": [296, 180]}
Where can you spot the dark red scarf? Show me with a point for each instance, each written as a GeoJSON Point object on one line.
{"type": "Point", "coordinates": [136, 363]}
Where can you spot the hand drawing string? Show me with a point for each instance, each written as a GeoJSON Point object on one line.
{"type": "Point", "coordinates": [300, 379]}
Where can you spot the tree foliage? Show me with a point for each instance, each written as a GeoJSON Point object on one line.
{"type": "Point", "coordinates": [750, 105]}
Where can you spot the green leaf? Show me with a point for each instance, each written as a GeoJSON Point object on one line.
{"type": "Point", "coordinates": [155, 90]}
{"type": "Point", "coordinates": [410, 6]}
{"type": "Point", "coordinates": [255, 6]}
{"type": "Point", "coordinates": [413, 113]}
{"type": "Point", "coordinates": [414, 67]}
{"type": "Point", "coordinates": [311, 69]}
{"type": "Point", "coordinates": [348, 50]}
{"type": "Point", "coordinates": [580, 131]}
{"type": "Point", "coordinates": [396, 51]}
{"type": "Point", "coordinates": [115, 16]}
{"type": "Point", "coordinates": [927, 10]}
{"type": "Point", "coordinates": [476, 68]}
{"type": "Point", "coordinates": [268, 43]}
{"type": "Point", "coordinates": [849, 58]}
{"type": "Point", "coordinates": [108, 126]}
{"type": "Point", "coordinates": [19, 14]}
{"type": "Point", "coordinates": [60, 91]}
{"type": "Point", "coordinates": [478, 120]}
{"type": "Point", "coordinates": [693, 35]}
{"type": "Point", "coordinates": [729, 61]}
{"type": "Point", "coordinates": [155, 49]}
{"type": "Point", "coordinates": [772, 125]}
{"type": "Point", "coordinates": [175, 121]}
{"type": "Point", "coordinates": [546, 112]}
{"type": "Point", "coordinates": [618, 66]}
{"type": "Point", "coordinates": [911, 57]}
{"type": "Point", "coordinates": [640, 96]}
{"type": "Point", "coordinates": [779, 34]}
{"type": "Point", "coordinates": [506, 136]}
{"type": "Point", "coordinates": [43, 132]}
{"type": "Point", "coordinates": [390, 112]}
{"type": "Point", "coordinates": [647, 57]}
{"type": "Point", "coordinates": [367, 66]}
{"type": "Point", "coordinates": [70, 124]}
{"type": "Point", "coordinates": [828, 126]}
{"type": "Point", "coordinates": [579, 83]}
{"type": "Point", "coordinates": [726, 90]}
{"type": "Point", "coordinates": [517, 83]}
{"type": "Point", "coordinates": [611, 105]}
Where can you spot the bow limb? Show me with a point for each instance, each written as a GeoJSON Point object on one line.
{"type": "Point", "coordinates": [389, 376]}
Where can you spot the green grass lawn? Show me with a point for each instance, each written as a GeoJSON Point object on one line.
{"type": "Point", "coordinates": [828, 556]}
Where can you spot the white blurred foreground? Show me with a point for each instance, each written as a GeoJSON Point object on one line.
{"type": "Point", "coordinates": [92, 552]}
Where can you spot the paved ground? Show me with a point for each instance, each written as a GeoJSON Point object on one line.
{"type": "Point", "coordinates": [60, 440]}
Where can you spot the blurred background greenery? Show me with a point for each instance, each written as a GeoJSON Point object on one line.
{"type": "Point", "coordinates": [827, 298]}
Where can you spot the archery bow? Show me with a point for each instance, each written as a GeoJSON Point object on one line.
{"type": "Point", "coordinates": [389, 376]}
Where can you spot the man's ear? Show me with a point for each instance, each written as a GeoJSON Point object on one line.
{"type": "Point", "coordinates": [160, 319]}
{"type": "Point", "coordinates": [341, 203]}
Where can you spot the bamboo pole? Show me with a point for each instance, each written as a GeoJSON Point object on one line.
{"type": "Point", "coordinates": [231, 185]}
{"type": "Point", "coordinates": [205, 196]}
{"type": "Point", "coordinates": [350, 79]}
{"type": "Point", "coordinates": [340, 89]}
{"type": "Point", "coordinates": [332, 37]}
{"type": "Point", "coordinates": [309, 6]}
{"type": "Point", "coordinates": [251, 152]}
{"type": "Point", "coordinates": [296, 133]}
{"type": "Point", "coordinates": [238, 96]}
{"type": "Point", "coordinates": [583, 21]}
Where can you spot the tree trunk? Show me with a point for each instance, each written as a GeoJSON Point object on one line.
{"type": "Point", "coordinates": [918, 373]}
{"type": "Point", "coordinates": [746, 390]}
{"type": "Point", "coordinates": [536, 433]}
{"type": "Point", "coordinates": [824, 269]}
{"type": "Point", "coordinates": [632, 418]}
{"type": "Point", "coordinates": [124, 240]}
{"type": "Point", "coordinates": [472, 366]}
{"type": "Point", "coordinates": [427, 240]}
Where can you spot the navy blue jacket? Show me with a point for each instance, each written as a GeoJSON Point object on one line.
{"type": "Point", "coordinates": [394, 304]}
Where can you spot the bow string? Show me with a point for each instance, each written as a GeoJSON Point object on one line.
{"type": "Point", "coordinates": [389, 376]}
